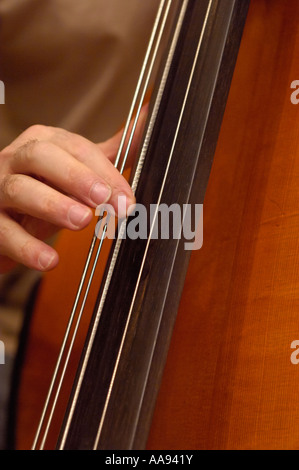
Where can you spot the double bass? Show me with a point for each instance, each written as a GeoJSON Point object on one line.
{"type": "Point", "coordinates": [223, 361]}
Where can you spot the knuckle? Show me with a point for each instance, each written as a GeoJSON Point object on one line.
{"type": "Point", "coordinates": [81, 147]}
{"type": "Point", "coordinates": [26, 250]}
{"type": "Point", "coordinates": [75, 144]}
{"type": "Point", "coordinates": [5, 234]}
{"type": "Point", "coordinates": [74, 176]}
{"type": "Point", "coordinates": [30, 152]}
{"type": "Point", "coordinates": [26, 152]}
{"type": "Point", "coordinates": [11, 186]}
{"type": "Point", "coordinates": [84, 150]}
{"type": "Point", "coordinates": [48, 206]}
{"type": "Point", "coordinates": [38, 131]}
{"type": "Point", "coordinates": [35, 129]}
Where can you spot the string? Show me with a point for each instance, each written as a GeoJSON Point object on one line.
{"type": "Point", "coordinates": [122, 228]}
{"type": "Point", "coordinates": [94, 240]}
{"type": "Point", "coordinates": [151, 230]}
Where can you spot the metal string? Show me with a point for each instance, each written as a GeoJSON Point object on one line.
{"type": "Point", "coordinates": [122, 228]}
{"type": "Point", "coordinates": [94, 240]}
{"type": "Point", "coordinates": [152, 227]}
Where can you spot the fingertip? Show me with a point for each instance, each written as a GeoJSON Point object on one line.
{"type": "Point", "coordinates": [123, 204]}
{"type": "Point", "coordinates": [47, 260]}
{"type": "Point", "coordinates": [79, 216]}
{"type": "Point", "coordinates": [100, 193]}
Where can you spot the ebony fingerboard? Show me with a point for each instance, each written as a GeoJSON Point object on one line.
{"type": "Point", "coordinates": [137, 377]}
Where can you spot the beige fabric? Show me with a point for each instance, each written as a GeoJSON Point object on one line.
{"type": "Point", "coordinates": [70, 63]}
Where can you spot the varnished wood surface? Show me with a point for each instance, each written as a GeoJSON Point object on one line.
{"type": "Point", "coordinates": [229, 382]}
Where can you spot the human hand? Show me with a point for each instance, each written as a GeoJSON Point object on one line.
{"type": "Point", "coordinates": [50, 179]}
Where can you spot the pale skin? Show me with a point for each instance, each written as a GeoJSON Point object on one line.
{"type": "Point", "coordinates": [51, 179]}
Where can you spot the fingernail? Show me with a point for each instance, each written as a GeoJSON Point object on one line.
{"type": "Point", "coordinates": [77, 215]}
{"type": "Point", "coordinates": [123, 205]}
{"type": "Point", "coordinates": [45, 259]}
{"type": "Point", "coordinates": [100, 193]}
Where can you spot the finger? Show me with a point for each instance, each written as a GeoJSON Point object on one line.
{"type": "Point", "coordinates": [29, 196]}
{"type": "Point", "coordinates": [122, 198]}
{"type": "Point", "coordinates": [90, 182]}
{"type": "Point", "coordinates": [93, 156]}
{"type": "Point", "coordinates": [20, 246]}
{"type": "Point", "coordinates": [33, 133]}
{"type": "Point", "coordinates": [132, 139]}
